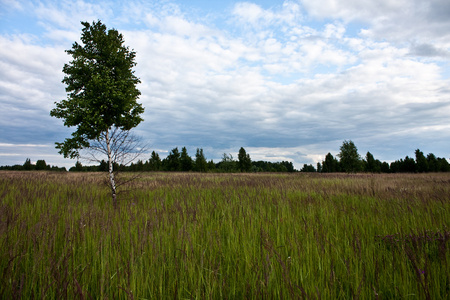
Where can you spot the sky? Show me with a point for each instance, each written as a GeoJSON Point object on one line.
{"type": "Point", "coordinates": [286, 80]}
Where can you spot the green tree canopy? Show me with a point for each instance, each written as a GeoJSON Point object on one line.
{"type": "Point", "coordinates": [154, 163]}
{"type": "Point", "coordinates": [227, 164]}
{"type": "Point", "coordinates": [172, 161]}
{"type": "Point", "coordinates": [41, 165]}
{"type": "Point", "coordinates": [308, 168]}
{"type": "Point", "coordinates": [432, 162]}
{"type": "Point", "coordinates": [185, 160]}
{"type": "Point", "coordinates": [421, 161]}
{"type": "Point", "coordinates": [371, 164]}
{"type": "Point", "coordinates": [101, 88]}
{"type": "Point", "coordinates": [200, 161]}
{"type": "Point", "coordinates": [350, 160]}
{"type": "Point", "coordinates": [28, 165]}
{"type": "Point", "coordinates": [330, 164]}
{"type": "Point", "coordinates": [244, 161]}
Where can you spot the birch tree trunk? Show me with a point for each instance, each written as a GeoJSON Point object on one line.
{"type": "Point", "coordinates": [112, 182]}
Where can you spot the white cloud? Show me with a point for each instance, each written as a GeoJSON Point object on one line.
{"type": "Point", "coordinates": [67, 14]}
{"type": "Point", "coordinates": [11, 5]}
{"type": "Point", "coordinates": [22, 145]}
{"type": "Point", "coordinates": [30, 74]}
{"type": "Point", "coordinates": [429, 50]}
{"type": "Point", "coordinates": [334, 31]}
{"type": "Point", "coordinates": [398, 21]}
{"type": "Point", "coordinates": [251, 14]}
{"type": "Point", "coordinates": [350, 9]}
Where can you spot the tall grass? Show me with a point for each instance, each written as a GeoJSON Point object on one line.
{"type": "Point", "coordinates": [225, 236]}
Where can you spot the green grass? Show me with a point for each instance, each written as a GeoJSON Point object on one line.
{"type": "Point", "coordinates": [225, 236]}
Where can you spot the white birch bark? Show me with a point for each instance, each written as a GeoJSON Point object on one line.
{"type": "Point", "coordinates": [112, 182]}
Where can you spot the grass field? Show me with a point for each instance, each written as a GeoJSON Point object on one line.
{"type": "Point", "coordinates": [225, 236]}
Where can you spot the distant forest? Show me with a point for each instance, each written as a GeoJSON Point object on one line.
{"type": "Point", "coordinates": [348, 160]}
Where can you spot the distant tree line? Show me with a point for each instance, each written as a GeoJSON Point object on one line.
{"type": "Point", "coordinates": [351, 162]}
{"type": "Point", "coordinates": [40, 165]}
{"type": "Point", "coordinates": [348, 160]}
{"type": "Point", "coordinates": [177, 161]}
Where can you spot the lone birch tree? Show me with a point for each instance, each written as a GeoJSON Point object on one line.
{"type": "Point", "coordinates": [101, 99]}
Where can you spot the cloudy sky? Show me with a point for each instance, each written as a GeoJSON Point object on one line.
{"type": "Point", "coordinates": [286, 80]}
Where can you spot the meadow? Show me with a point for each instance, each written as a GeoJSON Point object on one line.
{"type": "Point", "coordinates": [225, 236]}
